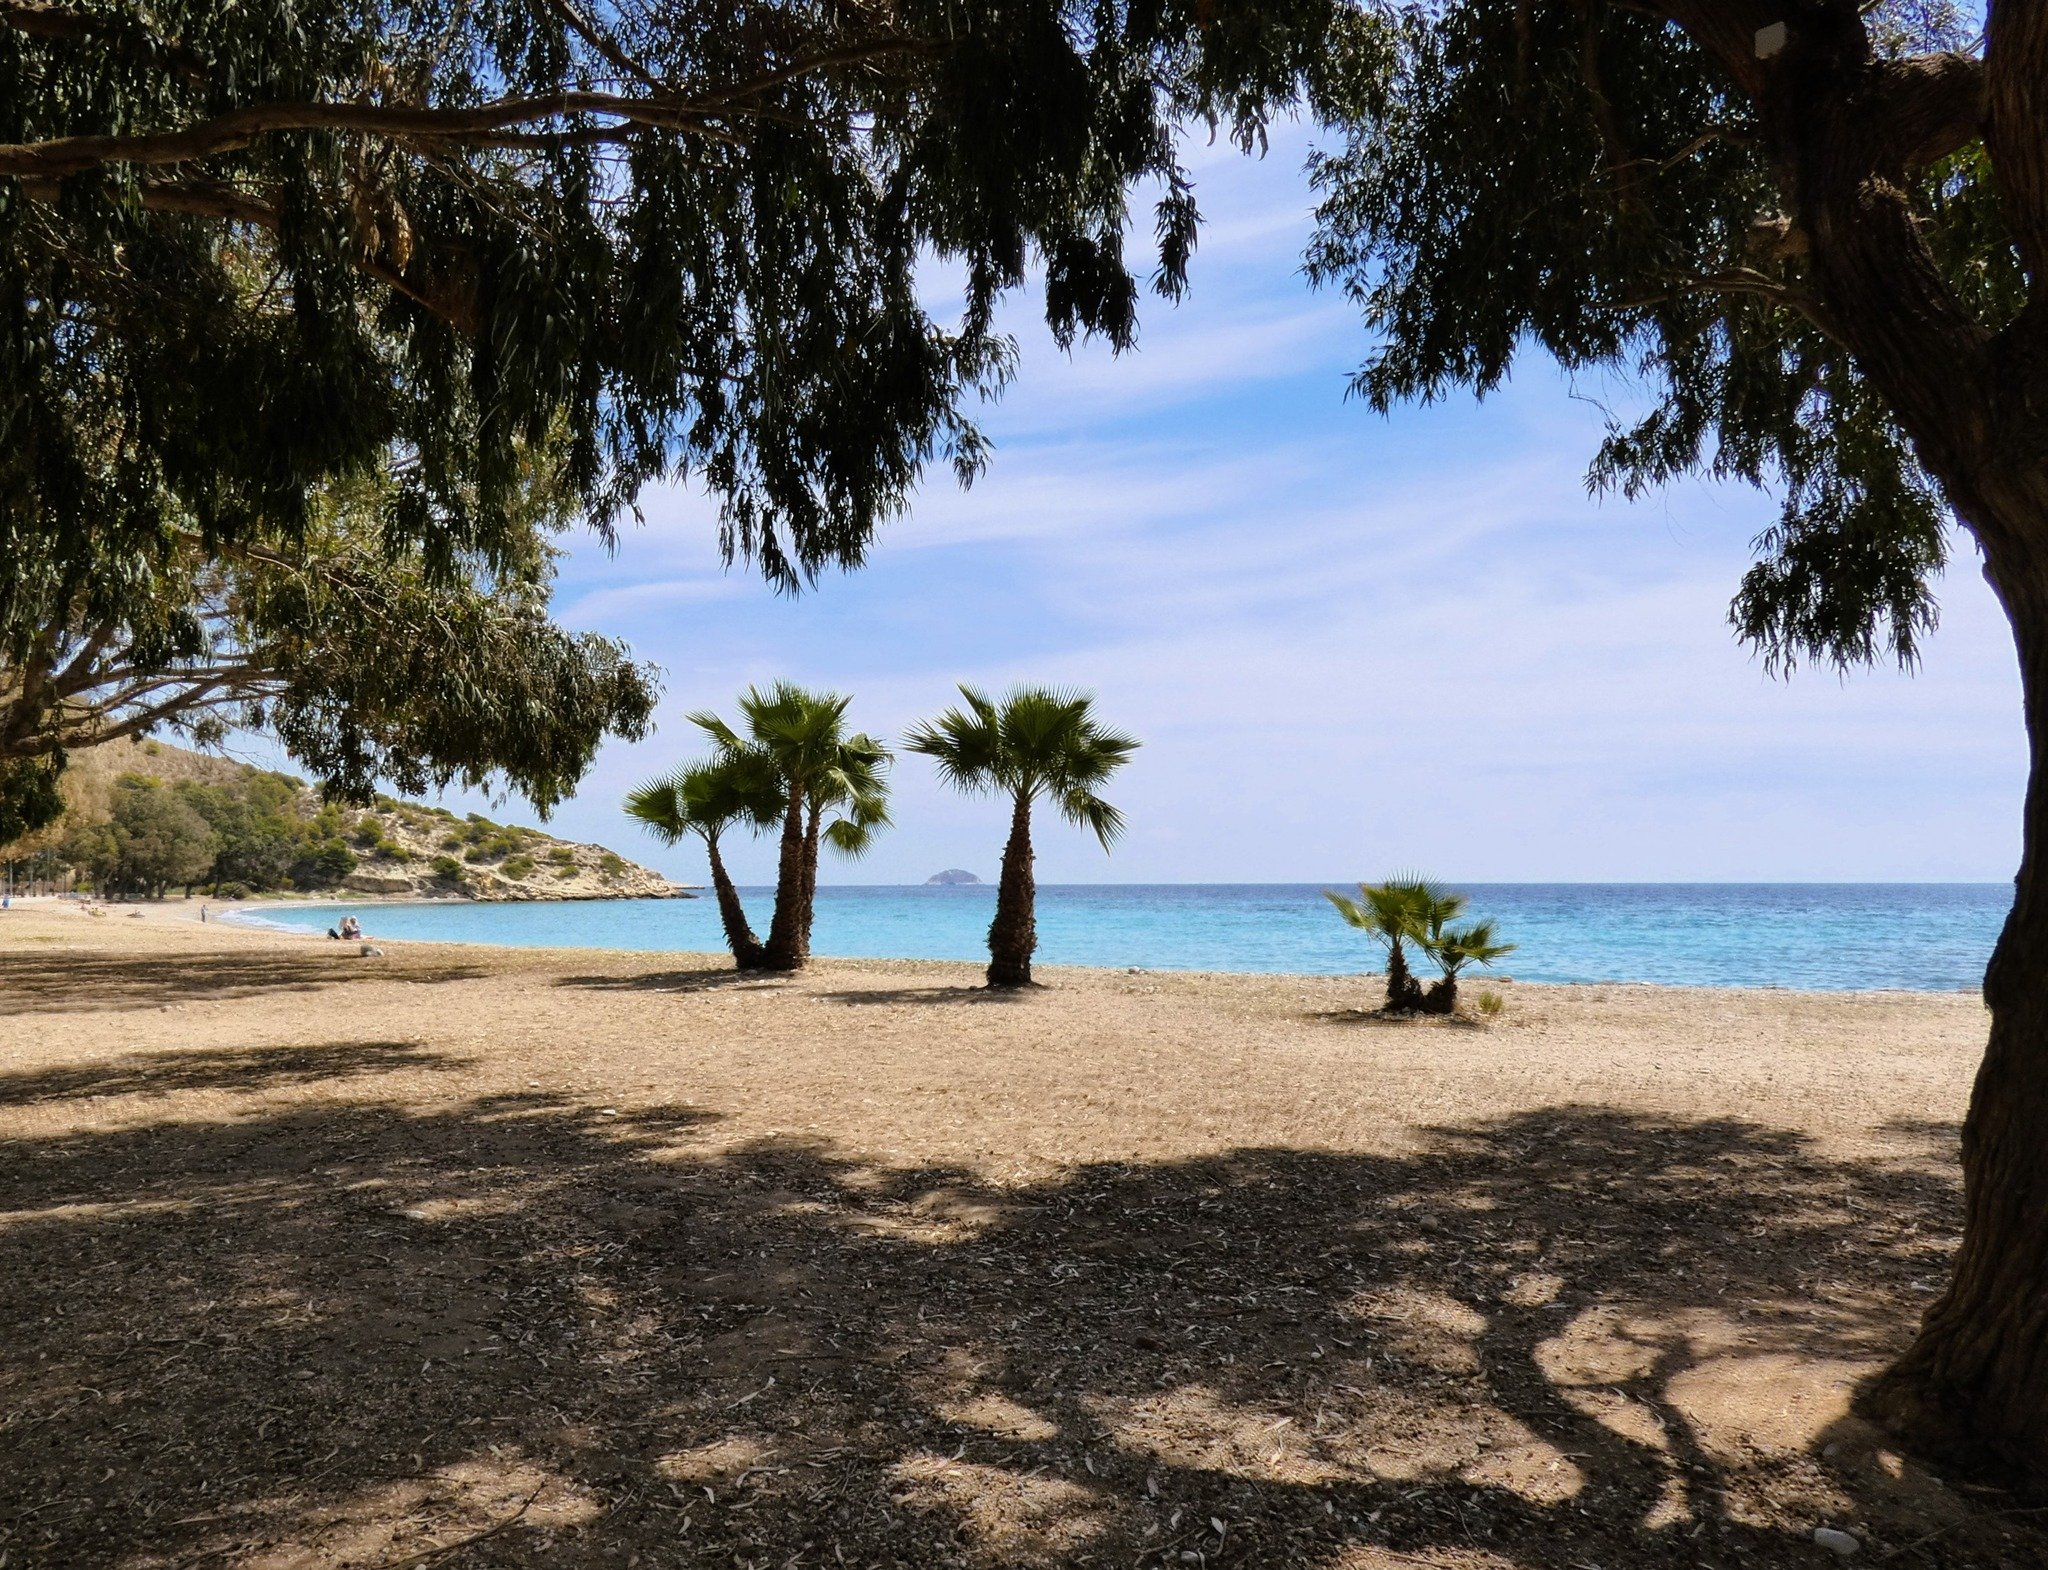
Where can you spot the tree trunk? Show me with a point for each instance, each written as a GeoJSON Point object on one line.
{"type": "Point", "coordinates": [785, 946]}
{"type": "Point", "coordinates": [808, 906]}
{"type": "Point", "coordinates": [1013, 935]}
{"type": "Point", "coordinates": [1404, 992]}
{"type": "Point", "coordinates": [739, 937]}
{"type": "Point", "coordinates": [1972, 1390]}
{"type": "Point", "coordinates": [1442, 997]}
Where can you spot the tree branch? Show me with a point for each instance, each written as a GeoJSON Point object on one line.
{"type": "Point", "coordinates": [2016, 130]}
{"type": "Point", "coordinates": [216, 199]}
{"type": "Point", "coordinates": [236, 129]}
{"type": "Point", "coordinates": [52, 22]}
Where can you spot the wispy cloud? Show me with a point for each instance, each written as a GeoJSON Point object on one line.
{"type": "Point", "coordinates": [1350, 642]}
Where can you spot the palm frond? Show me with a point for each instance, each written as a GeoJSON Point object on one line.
{"type": "Point", "coordinates": [1088, 811]}
{"type": "Point", "coordinates": [1031, 741]}
{"type": "Point", "coordinates": [659, 807]}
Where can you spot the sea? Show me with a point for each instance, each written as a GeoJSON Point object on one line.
{"type": "Point", "coordinates": [1921, 937]}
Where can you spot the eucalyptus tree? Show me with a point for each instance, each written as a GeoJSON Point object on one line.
{"type": "Point", "coordinates": [1035, 742]}
{"type": "Point", "coordinates": [346, 644]}
{"type": "Point", "coordinates": [707, 800]}
{"type": "Point", "coordinates": [1815, 234]}
{"type": "Point", "coordinates": [249, 249]}
{"type": "Point", "coordinates": [818, 768]}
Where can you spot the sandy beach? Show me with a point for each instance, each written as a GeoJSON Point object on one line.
{"type": "Point", "coordinates": [474, 1256]}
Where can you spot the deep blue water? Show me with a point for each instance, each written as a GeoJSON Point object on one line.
{"type": "Point", "coordinates": [1921, 936]}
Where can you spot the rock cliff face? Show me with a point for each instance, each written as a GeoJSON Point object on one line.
{"type": "Point", "coordinates": [405, 850]}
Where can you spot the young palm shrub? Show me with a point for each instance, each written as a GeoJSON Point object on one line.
{"type": "Point", "coordinates": [820, 767]}
{"type": "Point", "coordinates": [706, 799]}
{"type": "Point", "coordinates": [1398, 912]}
{"type": "Point", "coordinates": [1034, 742]}
{"type": "Point", "coordinates": [1454, 948]}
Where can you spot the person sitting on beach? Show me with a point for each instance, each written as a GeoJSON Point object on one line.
{"type": "Point", "coordinates": [351, 929]}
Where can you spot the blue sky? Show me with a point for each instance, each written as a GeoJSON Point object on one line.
{"type": "Point", "coordinates": [1350, 644]}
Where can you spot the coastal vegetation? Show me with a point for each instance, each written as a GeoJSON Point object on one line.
{"type": "Point", "coordinates": [1815, 238]}
{"type": "Point", "coordinates": [313, 337]}
{"type": "Point", "coordinates": [1407, 910]}
{"type": "Point", "coordinates": [792, 762]}
{"type": "Point", "coordinates": [144, 819]}
{"type": "Point", "coordinates": [1033, 743]}
{"type": "Point", "coordinates": [706, 800]}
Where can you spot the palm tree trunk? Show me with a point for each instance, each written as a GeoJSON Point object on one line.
{"type": "Point", "coordinates": [785, 947]}
{"type": "Point", "coordinates": [808, 909]}
{"type": "Point", "coordinates": [1404, 992]}
{"type": "Point", "coordinates": [732, 915]}
{"type": "Point", "coordinates": [1013, 935]}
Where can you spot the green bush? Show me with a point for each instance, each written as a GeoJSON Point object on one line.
{"type": "Point", "coordinates": [447, 869]}
{"type": "Point", "coordinates": [327, 862]}
{"type": "Point", "coordinates": [1490, 1004]}
{"type": "Point", "coordinates": [565, 872]}
{"type": "Point", "coordinates": [235, 891]}
{"type": "Point", "coordinates": [453, 842]}
{"type": "Point", "coordinates": [517, 867]}
{"type": "Point", "coordinates": [612, 865]}
{"type": "Point", "coordinates": [562, 856]}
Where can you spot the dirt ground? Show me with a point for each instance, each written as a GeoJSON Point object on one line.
{"type": "Point", "coordinates": [467, 1257]}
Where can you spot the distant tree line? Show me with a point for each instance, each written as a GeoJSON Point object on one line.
{"type": "Point", "coordinates": [250, 836]}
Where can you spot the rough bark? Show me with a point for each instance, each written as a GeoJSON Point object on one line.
{"type": "Point", "coordinates": [1972, 1390]}
{"type": "Point", "coordinates": [1404, 992]}
{"type": "Point", "coordinates": [739, 936]}
{"type": "Point", "coordinates": [1013, 935]}
{"type": "Point", "coordinates": [785, 948]}
{"type": "Point", "coordinates": [1846, 135]}
{"type": "Point", "coordinates": [807, 904]}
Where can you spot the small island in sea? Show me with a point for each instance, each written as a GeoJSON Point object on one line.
{"type": "Point", "coordinates": [951, 877]}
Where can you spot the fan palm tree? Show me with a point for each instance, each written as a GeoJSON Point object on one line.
{"type": "Point", "coordinates": [820, 767]}
{"type": "Point", "coordinates": [1034, 742]}
{"type": "Point", "coordinates": [1453, 948]}
{"type": "Point", "coordinates": [1398, 912]}
{"type": "Point", "coordinates": [706, 799]}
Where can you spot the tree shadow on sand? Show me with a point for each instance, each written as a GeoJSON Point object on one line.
{"type": "Point", "coordinates": [860, 997]}
{"type": "Point", "coordinates": [231, 1068]}
{"type": "Point", "coordinates": [704, 978]}
{"type": "Point", "coordinates": [90, 982]}
{"type": "Point", "coordinates": [358, 1332]}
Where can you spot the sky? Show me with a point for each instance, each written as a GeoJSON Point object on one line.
{"type": "Point", "coordinates": [1350, 644]}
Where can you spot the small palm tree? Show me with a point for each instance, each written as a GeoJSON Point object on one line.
{"type": "Point", "coordinates": [706, 799]}
{"type": "Point", "coordinates": [821, 767]}
{"type": "Point", "coordinates": [1398, 912]}
{"type": "Point", "coordinates": [1034, 742]}
{"type": "Point", "coordinates": [1453, 948]}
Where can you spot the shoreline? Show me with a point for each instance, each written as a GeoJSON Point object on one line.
{"type": "Point", "coordinates": [245, 916]}
{"type": "Point", "coordinates": [879, 1230]}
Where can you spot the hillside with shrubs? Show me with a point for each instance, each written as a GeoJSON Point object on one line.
{"type": "Point", "coordinates": [145, 819]}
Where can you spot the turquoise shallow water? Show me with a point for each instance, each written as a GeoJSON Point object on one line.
{"type": "Point", "coordinates": [1920, 936]}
